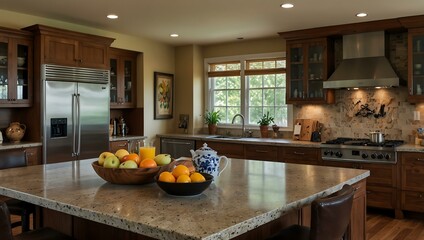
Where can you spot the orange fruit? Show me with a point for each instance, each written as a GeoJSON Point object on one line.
{"type": "Point", "coordinates": [197, 177]}
{"type": "Point", "coordinates": [131, 156]}
{"type": "Point", "coordinates": [148, 163]}
{"type": "Point", "coordinates": [180, 170]}
{"type": "Point", "coordinates": [166, 177]}
{"type": "Point", "coordinates": [183, 179]}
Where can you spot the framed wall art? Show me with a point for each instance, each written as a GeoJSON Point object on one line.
{"type": "Point", "coordinates": [163, 95]}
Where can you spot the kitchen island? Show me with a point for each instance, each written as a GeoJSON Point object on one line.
{"type": "Point", "coordinates": [247, 195]}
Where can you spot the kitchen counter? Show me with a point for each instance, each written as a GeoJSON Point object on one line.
{"type": "Point", "coordinates": [126, 138]}
{"type": "Point", "coordinates": [9, 145]}
{"type": "Point", "coordinates": [247, 194]}
{"type": "Point", "coordinates": [410, 148]}
{"type": "Point", "coordinates": [257, 141]}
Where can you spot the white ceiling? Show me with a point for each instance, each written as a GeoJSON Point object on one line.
{"type": "Point", "coordinates": [205, 22]}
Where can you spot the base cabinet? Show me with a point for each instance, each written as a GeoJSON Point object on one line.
{"type": "Point", "coordinates": [300, 155]}
{"type": "Point", "coordinates": [116, 145]}
{"type": "Point", "coordinates": [412, 189]}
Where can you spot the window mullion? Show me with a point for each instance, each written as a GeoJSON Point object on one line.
{"type": "Point", "coordinates": [244, 92]}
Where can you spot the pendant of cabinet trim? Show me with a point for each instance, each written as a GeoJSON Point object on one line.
{"type": "Point", "coordinates": [309, 64]}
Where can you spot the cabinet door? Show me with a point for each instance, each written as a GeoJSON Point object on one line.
{"type": "Point", "coordinates": [416, 65]}
{"type": "Point", "coordinates": [295, 72]}
{"type": "Point", "coordinates": [92, 55]}
{"type": "Point", "coordinates": [15, 72]}
{"type": "Point", "coordinates": [123, 78]}
{"type": "Point", "coordinates": [61, 51]}
{"type": "Point", "coordinates": [412, 171]}
{"type": "Point", "coordinates": [33, 156]}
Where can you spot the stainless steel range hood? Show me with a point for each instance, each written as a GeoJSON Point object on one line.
{"type": "Point", "coordinates": [364, 63]}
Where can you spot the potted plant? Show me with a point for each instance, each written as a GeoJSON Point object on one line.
{"type": "Point", "coordinates": [264, 122]}
{"type": "Point", "coordinates": [212, 119]}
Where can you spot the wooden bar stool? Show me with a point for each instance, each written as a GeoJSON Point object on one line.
{"type": "Point", "coordinates": [12, 159]}
{"type": "Point", "coordinates": [329, 220]}
{"type": "Point", "coordinates": [38, 234]}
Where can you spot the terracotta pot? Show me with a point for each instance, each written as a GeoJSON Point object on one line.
{"type": "Point", "coordinates": [264, 131]}
{"type": "Point", "coordinates": [15, 132]}
{"type": "Point", "coordinates": [212, 129]}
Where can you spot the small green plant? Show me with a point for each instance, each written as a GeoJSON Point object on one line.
{"type": "Point", "coordinates": [212, 117]}
{"type": "Point", "coordinates": [265, 120]}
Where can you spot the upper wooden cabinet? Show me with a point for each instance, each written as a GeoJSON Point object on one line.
{"type": "Point", "coordinates": [63, 47]}
{"type": "Point", "coordinates": [416, 65]}
{"type": "Point", "coordinates": [123, 78]}
{"type": "Point", "coordinates": [16, 81]}
{"type": "Point", "coordinates": [309, 63]}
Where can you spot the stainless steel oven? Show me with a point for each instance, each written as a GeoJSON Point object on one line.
{"type": "Point", "coordinates": [360, 150]}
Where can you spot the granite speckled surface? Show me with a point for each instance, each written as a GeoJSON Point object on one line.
{"type": "Point", "coordinates": [247, 194]}
{"type": "Point", "coordinates": [256, 141]}
{"type": "Point", "coordinates": [9, 145]}
{"type": "Point", "coordinates": [410, 148]}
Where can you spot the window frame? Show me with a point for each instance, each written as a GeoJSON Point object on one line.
{"type": "Point", "coordinates": [244, 87]}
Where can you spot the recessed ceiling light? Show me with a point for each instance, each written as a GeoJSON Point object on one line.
{"type": "Point", "coordinates": [287, 5]}
{"type": "Point", "coordinates": [174, 35]}
{"type": "Point", "coordinates": [112, 16]}
{"type": "Point", "coordinates": [361, 14]}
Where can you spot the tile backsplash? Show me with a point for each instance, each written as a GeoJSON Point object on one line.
{"type": "Point", "coordinates": [341, 119]}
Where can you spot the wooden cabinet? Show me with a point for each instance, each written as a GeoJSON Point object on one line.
{"type": "Point", "coordinates": [412, 189]}
{"type": "Point", "coordinates": [115, 145]}
{"type": "Point", "coordinates": [381, 184]}
{"type": "Point", "coordinates": [416, 65]}
{"type": "Point", "coordinates": [15, 68]}
{"type": "Point", "coordinates": [123, 78]}
{"type": "Point", "coordinates": [33, 155]}
{"type": "Point", "coordinates": [232, 150]}
{"type": "Point", "coordinates": [261, 152]}
{"type": "Point", "coordinates": [309, 63]}
{"type": "Point", "coordinates": [358, 217]}
{"type": "Point", "coordinates": [63, 47]}
{"type": "Point", "coordinates": [300, 155]}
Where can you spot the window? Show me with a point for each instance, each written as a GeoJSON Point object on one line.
{"type": "Point", "coordinates": [251, 85]}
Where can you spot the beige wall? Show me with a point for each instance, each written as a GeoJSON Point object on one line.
{"type": "Point", "coordinates": [157, 57]}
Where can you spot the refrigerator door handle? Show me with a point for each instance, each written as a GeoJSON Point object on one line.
{"type": "Point", "coordinates": [74, 126]}
{"type": "Point", "coordinates": [78, 106]}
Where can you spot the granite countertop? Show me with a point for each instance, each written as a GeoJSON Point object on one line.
{"type": "Point", "coordinates": [126, 138]}
{"type": "Point", "coordinates": [261, 190]}
{"type": "Point", "coordinates": [410, 148]}
{"type": "Point", "coordinates": [257, 141]}
{"type": "Point", "coordinates": [9, 145]}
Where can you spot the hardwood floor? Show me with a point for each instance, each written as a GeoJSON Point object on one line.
{"type": "Point", "coordinates": [381, 225]}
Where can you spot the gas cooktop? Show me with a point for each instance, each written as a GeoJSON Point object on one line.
{"type": "Point", "coordinates": [364, 142]}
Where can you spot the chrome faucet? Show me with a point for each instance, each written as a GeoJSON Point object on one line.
{"type": "Point", "coordinates": [242, 122]}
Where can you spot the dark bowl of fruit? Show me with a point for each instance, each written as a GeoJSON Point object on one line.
{"type": "Point", "coordinates": [198, 183]}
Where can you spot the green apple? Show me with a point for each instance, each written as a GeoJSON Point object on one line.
{"type": "Point", "coordinates": [103, 156]}
{"type": "Point", "coordinates": [128, 164]}
{"type": "Point", "coordinates": [111, 162]}
{"type": "Point", "coordinates": [162, 159]}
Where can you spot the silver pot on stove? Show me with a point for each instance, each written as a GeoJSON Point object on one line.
{"type": "Point", "coordinates": [376, 136]}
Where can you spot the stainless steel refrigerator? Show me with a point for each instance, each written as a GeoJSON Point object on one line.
{"type": "Point", "coordinates": [75, 112]}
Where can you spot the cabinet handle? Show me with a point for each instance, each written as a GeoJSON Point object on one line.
{"type": "Point", "coordinates": [369, 192]}
{"type": "Point", "coordinates": [298, 153]}
{"type": "Point", "coordinates": [420, 195]}
{"type": "Point", "coordinates": [122, 145]}
{"type": "Point", "coordinates": [420, 159]}
{"type": "Point", "coordinates": [356, 189]}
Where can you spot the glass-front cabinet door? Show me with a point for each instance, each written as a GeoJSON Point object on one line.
{"type": "Point", "coordinates": [122, 78]}
{"type": "Point", "coordinates": [15, 72]}
{"type": "Point", "coordinates": [416, 65]}
{"type": "Point", "coordinates": [307, 68]}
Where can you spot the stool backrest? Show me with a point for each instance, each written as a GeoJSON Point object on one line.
{"type": "Point", "coordinates": [12, 159]}
{"type": "Point", "coordinates": [331, 215]}
{"type": "Point", "coordinates": [5, 227]}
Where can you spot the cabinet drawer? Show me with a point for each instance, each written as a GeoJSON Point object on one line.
{"type": "Point", "coordinates": [114, 146]}
{"type": "Point", "coordinates": [381, 197]}
{"type": "Point", "coordinates": [299, 155]}
{"type": "Point", "coordinates": [232, 150]}
{"type": "Point", "coordinates": [260, 152]}
{"type": "Point", "coordinates": [412, 168]}
{"type": "Point", "coordinates": [412, 201]}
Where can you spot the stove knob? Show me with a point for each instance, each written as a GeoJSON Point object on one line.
{"type": "Point", "coordinates": [326, 152]}
{"type": "Point", "coordinates": [373, 155]}
{"type": "Point", "coordinates": [331, 153]}
{"type": "Point", "coordinates": [387, 156]}
{"type": "Point", "coordinates": [364, 155]}
{"type": "Point", "coordinates": [380, 156]}
{"type": "Point", "coordinates": [339, 154]}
